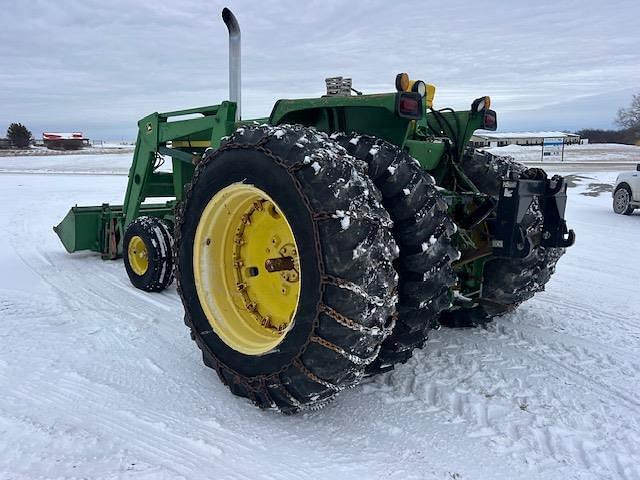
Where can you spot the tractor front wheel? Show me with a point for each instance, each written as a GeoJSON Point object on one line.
{"type": "Point", "coordinates": [284, 266]}
{"type": "Point", "coordinates": [148, 255]}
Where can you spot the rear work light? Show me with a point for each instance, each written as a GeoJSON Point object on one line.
{"type": "Point", "coordinates": [409, 105]}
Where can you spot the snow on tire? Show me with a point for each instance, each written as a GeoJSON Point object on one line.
{"type": "Point", "coordinates": [422, 230]}
{"type": "Point", "coordinates": [156, 273]}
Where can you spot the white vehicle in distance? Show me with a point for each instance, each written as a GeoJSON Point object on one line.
{"type": "Point", "coordinates": [626, 194]}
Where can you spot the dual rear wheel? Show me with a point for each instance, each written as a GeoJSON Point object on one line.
{"type": "Point", "coordinates": [295, 263]}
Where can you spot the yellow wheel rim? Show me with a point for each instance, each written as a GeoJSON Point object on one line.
{"type": "Point", "coordinates": [246, 269]}
{"type": "Point", "coordinates": [138, 255]}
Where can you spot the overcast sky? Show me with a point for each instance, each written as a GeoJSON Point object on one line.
{"type": "Point", "coordinates": [99, 65]}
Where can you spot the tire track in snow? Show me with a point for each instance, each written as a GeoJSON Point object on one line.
{"type": "Point", "coordinates": [553, 353]}
{"type": "Point", "coordinates": [150, 438]}
{"type": "Point", "coordinates": [158, 438]}
{"type": "Point", "coordinates": [606, 317]}
{"type": "Point", "coordinates": [523, 401]}
{"type": "Point", "coordinates": [72, 294]}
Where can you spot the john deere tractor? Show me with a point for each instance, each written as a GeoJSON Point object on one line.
{"type": "Point", "coordinates": [320, 244]}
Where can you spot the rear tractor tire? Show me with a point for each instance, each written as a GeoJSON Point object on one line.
{"type": "Point", "coordinates": [422, 229]}
{"type": "Point", "coordinates": [284, 266]}
{"type": "Point", "coordinates": [507, 282]}
{"type": "Point", "coordinates": [148, 256]}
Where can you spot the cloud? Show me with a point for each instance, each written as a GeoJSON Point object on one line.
{"type": "Point", "coordinates": [99, 66]}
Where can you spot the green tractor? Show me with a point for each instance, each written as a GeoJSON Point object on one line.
{"type": "Point", "coordinates": [320, 244]}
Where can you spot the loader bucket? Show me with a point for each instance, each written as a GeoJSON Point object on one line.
{"type": "Point", "coordinates": [80, 229]}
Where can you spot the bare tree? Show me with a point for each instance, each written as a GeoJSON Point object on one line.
{"type": "Point", "coordinates": [630, 117]}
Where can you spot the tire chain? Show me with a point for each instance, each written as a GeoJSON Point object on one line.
{"type": "Point", "coordinates": [273, 379]}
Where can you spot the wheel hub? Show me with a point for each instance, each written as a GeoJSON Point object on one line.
{"type": "Point", "coordinates": [138, 255]}
{"type": "Point", "coordinates": [247, 269]}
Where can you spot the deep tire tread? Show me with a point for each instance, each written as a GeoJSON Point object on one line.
{"type": "Point", "coordinates": [420, 218]}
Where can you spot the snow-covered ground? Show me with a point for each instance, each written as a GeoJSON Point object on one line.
{"type": "Point", "coordinates": [100, 380]}
{"type": "Point", "coordinates": [98, 149]}
{"type": "Point", "coordinates": [596, 152]}
{"type": "Point", "coordinates": [117, 163]}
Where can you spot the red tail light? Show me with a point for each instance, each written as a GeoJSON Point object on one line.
{"type": "Point", "coordinates": [409, 105]}
{"type": "Point", "coordinates": [489, 121]}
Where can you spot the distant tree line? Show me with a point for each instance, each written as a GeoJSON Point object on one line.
{"type": "Point", "coordinates": [627, 118]}
{"type": "Point", "coordinates": [630, 136]}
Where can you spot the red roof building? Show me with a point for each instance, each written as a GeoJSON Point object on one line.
{"type": "Point", "coordinates": [64, 141]}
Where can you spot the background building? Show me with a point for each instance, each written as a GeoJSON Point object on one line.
{"type": "Point", "coordinates": [64, 141]}
{"type": "Point", "coordinates": [493, 139]}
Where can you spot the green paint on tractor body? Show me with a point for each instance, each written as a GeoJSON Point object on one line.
{"type": "Point", "coordinates": [185, 140]}
{"type": "Point", "coordinates": [437, 139]}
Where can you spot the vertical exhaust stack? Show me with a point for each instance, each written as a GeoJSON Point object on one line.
{"type": "Point", "coordinates": [235, 74]}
